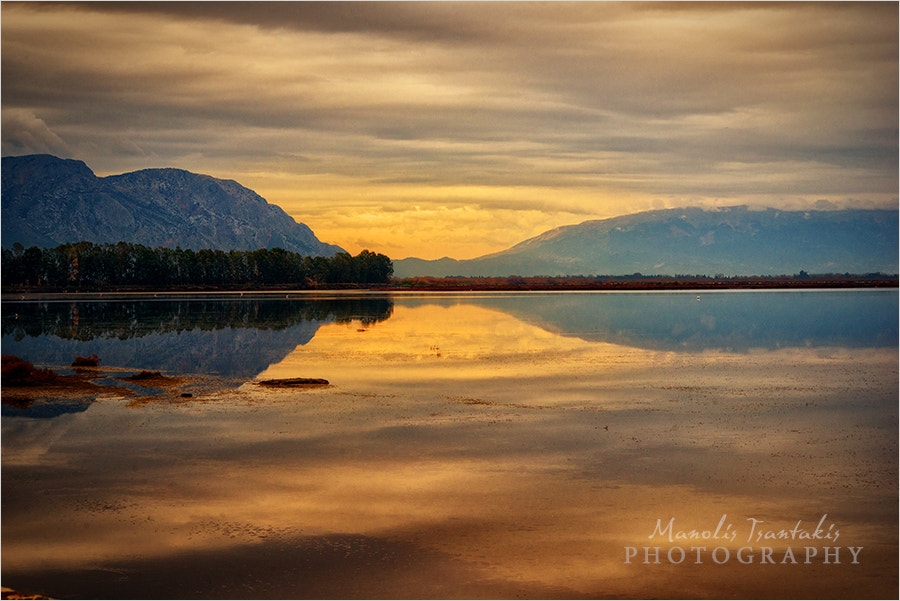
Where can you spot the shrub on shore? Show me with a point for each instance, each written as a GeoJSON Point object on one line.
{"type": "Point", "coordinates": [92, 361]}
{"type": "Point", "coordinates": [18, 372]}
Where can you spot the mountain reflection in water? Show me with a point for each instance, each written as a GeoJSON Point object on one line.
{"type": "Point", "coordinates": [735, 321]}
{"type": "Point", "coordinates": [241, 337]}
{"type": "Point", "coordinates": [227, 337]}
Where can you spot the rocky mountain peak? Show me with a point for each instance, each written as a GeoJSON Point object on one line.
{"type": "Point", "coordinates": [49, 201]}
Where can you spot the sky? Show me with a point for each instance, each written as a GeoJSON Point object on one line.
{"type": "Point", "coordinates": [460, 129]}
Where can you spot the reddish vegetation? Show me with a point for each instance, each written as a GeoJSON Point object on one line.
{"type": "Point", "coordinates": [19, 402]}
{"type": "Point", "coordinates": [146, 375]}
{"type": "Point", "coordinates": [640, 282]}
{"type": "Point", "coordinates": [92, 361]}
{"type": "Point", "coordinates": [18, 372]}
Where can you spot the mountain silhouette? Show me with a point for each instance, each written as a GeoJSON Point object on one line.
{"type": "Point", "coordinates": [693, 241]}
{"type": "Point", "coordinates": [48, 201]}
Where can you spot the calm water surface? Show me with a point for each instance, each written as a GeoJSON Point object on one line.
{"type": "Point", "coordinates": [739, 444]}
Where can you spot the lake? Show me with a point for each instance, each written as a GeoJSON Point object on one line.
{"type": "Point", "coordinates": [474, 445]}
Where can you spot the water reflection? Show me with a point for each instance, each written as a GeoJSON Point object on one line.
{"type": "Point", "coordinates": [228, 337]}
{"type": "Point", "coordinates": [86, 320]}
{"type": "Point", "coordinates": [463, 451]}
{"type": "Point", "coordinates": [734, 321]}
{"type": "Point", "coordinates": [243, 337]}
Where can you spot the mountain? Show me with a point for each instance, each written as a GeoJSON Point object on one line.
{"type": "Point", "coordinates": [48, 201]}
{"type": "Point", "coordinates": [693, 241]}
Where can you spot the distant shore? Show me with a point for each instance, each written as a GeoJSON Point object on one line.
{"type": "Point", "coordinates": [638, 282]}
{"type": "Point", "coordinates": [484, 284]}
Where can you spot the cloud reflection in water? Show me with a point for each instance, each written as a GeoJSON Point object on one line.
{"type": "Point", "coordinates": [525, 460]}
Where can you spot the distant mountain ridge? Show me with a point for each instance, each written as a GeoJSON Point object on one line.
{"type": "Point", "coordinates": [48, 201]}
{"type": "Point", "coordinates": [693, 241]}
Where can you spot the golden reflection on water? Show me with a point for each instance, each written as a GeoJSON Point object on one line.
{"type": "Point", "coordinates": [529, 456]}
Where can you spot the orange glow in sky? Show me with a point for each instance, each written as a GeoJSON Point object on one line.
{"type": "Point", "coordinates": [459, 129]}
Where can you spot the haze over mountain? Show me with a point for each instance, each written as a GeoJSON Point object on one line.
{"type": "Point", "coordinates": [730, 241]}
{"type": "Point", "coordinates": [47, 201]}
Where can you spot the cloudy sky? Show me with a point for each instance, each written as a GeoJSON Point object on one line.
{"type": "Point", "coordinates": [458, 129]}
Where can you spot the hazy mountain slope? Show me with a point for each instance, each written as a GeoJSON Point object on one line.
{"type": "Point", "coordinates": [732, 241]}
{"type": "Point", "coordinates": [47, 201]}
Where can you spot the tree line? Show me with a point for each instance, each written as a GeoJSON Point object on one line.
{"type": "Point", "coordinates": [89, 266]}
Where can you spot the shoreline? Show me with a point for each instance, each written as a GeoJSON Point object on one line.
{"type": "Point", "coordinates": [485, 284]}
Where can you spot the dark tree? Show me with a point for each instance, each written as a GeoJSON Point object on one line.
{"type": "Point", "coordinates": [88, 266]}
